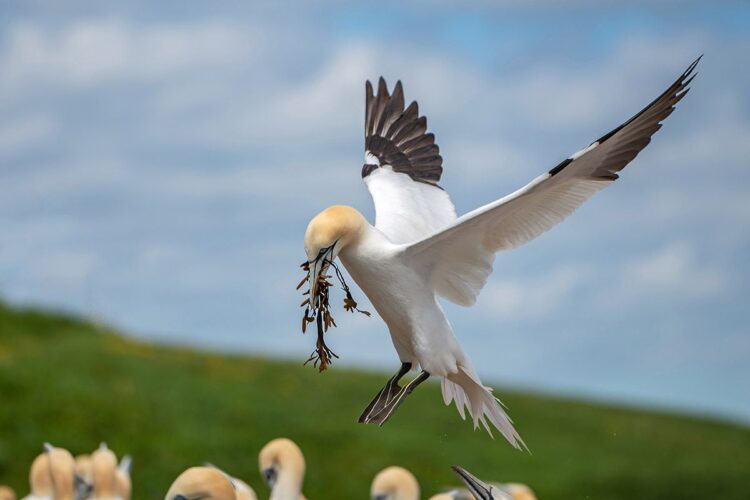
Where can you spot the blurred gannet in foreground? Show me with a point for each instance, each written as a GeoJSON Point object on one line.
{"type": "Point", "coordinates": [202, 483]}
{"type": "Point", "coordinates": [104, 474]}
{"type": "Point", "coordinates": [394, 483]}
{"type": "Point", "coordinates": [282, 466]}
{"type": "Point", "coordinates": [40, 479]}
{"type": "Point", "coordinates": [52, 475]}
{"type": "Point", "coordinates": [418, 250]}
{"type": "Point", "coordinates": [7, 493]}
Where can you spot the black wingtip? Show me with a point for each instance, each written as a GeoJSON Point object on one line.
{"type": "Point", "coordinates": [692, 66]}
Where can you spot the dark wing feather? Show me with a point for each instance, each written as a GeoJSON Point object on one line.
{"type": "Point", "coordinates": [620, 146]}
{"type": "Point", "coordinates": [398, 137]}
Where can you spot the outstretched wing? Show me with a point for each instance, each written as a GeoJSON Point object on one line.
{"type": "Point", "coordinates": [402, 168]}
{"type": "Point", "coordinates": [459, 258]}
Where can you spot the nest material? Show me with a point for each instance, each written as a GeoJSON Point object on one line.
{"type": "Point", "coordinates": [318, 309]}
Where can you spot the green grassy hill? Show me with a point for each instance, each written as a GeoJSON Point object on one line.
{"type": "Point", "coordinates": [75, 384]}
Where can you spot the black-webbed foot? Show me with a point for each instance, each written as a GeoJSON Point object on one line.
{"type": "Point", "coordinates": [387, 393]}
{"type": "Point", "coordinates": [389, 399]}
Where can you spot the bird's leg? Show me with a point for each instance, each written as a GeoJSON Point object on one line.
{"type": "Point", "coordinates": [392, 404]}
{"type": "Point", "coordinates": [387, 393]}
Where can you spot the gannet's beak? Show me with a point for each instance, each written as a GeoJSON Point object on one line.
{"type": "Point", "coordinates": [315, 268]}
{"type": "Point", "coordinates": [318, 267]}
{"type": "Point", "coordinates": [477, 487]}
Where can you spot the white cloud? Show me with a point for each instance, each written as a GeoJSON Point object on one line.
{"type": "Point", "coordinates": [21, 133]}
{"type": "Point", "coordinates": [89, 52]}
{"type": "Point", "coordinates": [64, 268]}
{"type": "Point", "coordinates": [535, 297]}
{"type": "Point", "coordinates": [672, 274]}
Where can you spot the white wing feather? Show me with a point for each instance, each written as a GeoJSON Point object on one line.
{"type": "Point", "coordinates": [458, 259]}
{"type": "Point", "coordinates": [407, 211]}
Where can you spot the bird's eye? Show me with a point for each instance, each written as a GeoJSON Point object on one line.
{"type": "Point", "coordinates": [269, 475]}
{"type": "Point", "coordinates": [322, 252]}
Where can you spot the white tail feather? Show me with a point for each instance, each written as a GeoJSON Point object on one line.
{"type": "Point", "coordinates": [468, 392]}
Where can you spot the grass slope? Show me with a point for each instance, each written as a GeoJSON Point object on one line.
{"type": "Point", "coordinates": [74, 384]}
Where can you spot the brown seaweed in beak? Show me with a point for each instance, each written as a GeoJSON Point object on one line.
{"type": "Point", "coordinates": [317, 308]}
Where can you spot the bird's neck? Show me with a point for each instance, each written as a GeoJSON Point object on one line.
{"type": "Point", "coordinates": [368, 239]}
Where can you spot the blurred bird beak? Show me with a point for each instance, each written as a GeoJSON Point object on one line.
{"type": "Point", "coordinates": [477, 487]}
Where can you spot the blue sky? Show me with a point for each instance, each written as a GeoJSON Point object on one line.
{"type": "Point", "coordinates": [160, 161]}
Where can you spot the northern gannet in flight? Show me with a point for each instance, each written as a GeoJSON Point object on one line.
{"type": "Point", "coordinates": [418, 250]}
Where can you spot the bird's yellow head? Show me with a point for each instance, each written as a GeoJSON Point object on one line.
{"type": "Point", "coordinates": [333, 228]}
{"type": "Point", "coordinates": [327, 234]}
{"type": "Point", "coordinates": [204, 483]}
{"type": "Point", "coordinates": [394, 483]}
{"type": "Point", "coordinates": [281, 457]}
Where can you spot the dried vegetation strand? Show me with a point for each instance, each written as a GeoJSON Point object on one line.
{"type": "Point", "coordinates": [318, 310]}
